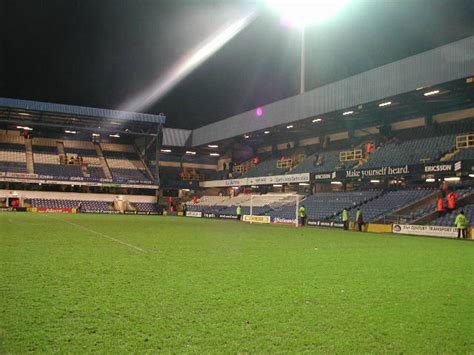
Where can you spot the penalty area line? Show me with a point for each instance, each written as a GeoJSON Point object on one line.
{"type": "Point", "coordinates": [103, 235]}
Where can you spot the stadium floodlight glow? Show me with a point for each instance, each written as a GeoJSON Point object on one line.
{"type": "Point", "coordinates": [214, 154]}
{"type": "Point", "coordinates": [430, 180]}
{"type": "Point", "coordinates": [24, 114]}
{"type": "Point", "coordinates": [213, 146]}
{"type": "Point", "coordinates": [420, 88]}
{"type": "Point", "coordinates": [336, 183]}
{"type": "Point", "coordinates": [254, 187]}
{"type": "Point", "coordinates": [385, 103]}
{"type": "Point", "coordinates": [70, 132]}
{"type": "Point", "coordinates": [301, 13]}
{"type": "Point", "coordinates": [187, 190]}
{"type": "Point", "coordinates": [95, 135]}
{"type": "Point", "coordinates": [471, 175]}
{"type": "Point", "coordinates": [317, 120]}
{"type": "Point", "coordinates": [266, 132]}
{"type": "Point", "coordinates": [430, 93]}
{"type": "Point", "coordinates": [277, 185]}
{"type": "Point", "coordinates": [190, 152]}
{"type": "Point", "coordinates": [165, 150]}
{"type": "Point", "coordinates": [347, 113]}
{"type": "Point", "coordinates": [303, 184]}
{"type": "Point", "coordinates": [454, 178]}
{"type": "Point", "coordinates": [289, 126]}
{"type": "Point", "coordinates": [116, 135]}
{"type": "Point", "coordinates": [246, 136]}
{"type": "Point", "coordinates": [375, 181]}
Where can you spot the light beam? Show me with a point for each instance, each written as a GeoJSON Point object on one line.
{"type": "Point", "coordinates": [187, 64]}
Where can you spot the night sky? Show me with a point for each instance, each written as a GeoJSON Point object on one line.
{"type": "Point", "coordinates": [102, 53]}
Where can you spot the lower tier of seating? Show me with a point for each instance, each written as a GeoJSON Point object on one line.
{"type": "Point", "coordinates": [448, 219]}
{"type": "Point", "coordinates": [90, 206]}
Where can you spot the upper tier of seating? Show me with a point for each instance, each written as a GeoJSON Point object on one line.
{"type": "Point", "coordinates": [12, 155]}
{"type": "Point", "coordinates": [322, 163]}
{"type": "Point", "coordinates": [414, 151]}
{"type": "Point", "coordinates": [58, 170]}
{"type": "Point", "coordinates": [465, 154]}
{"type": "Point", "coordinates": [266, 167]}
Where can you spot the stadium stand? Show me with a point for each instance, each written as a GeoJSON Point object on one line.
{"type": "Point", "coordinates": [90, 206]}
{"type": "Point", "coordinates": [389, 202]}
{"type": "Point", "coordinates": [322, 162]}
{"type": "Point", "coordinates": [414, 151]}
{"type": "Point", "coordinates": [124, 162]}
{"type": "Point", "coordinates": [327, 205]}
{"type": "Point", "coordinates": [448, 219]}
{"type": "Point", "coordinates": [12, 158]}
{"type": "Point", "coordinates": [432, 207]}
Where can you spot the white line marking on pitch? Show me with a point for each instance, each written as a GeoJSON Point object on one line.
{"type": "Point", "coordinates": [103, 235]}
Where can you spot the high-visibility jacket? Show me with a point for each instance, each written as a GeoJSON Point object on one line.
{"type": "Point", "coordinates": [441, 205]}
{"type": "Point", "coordinates": [461, 221]}
{"type": "Point", "coordinates": [452, 200]}
{"type": "Point", "coordinates": [302, 212]}
{"type": "Point", "coordinates": [359, 216]}
{"type": "Point", "coordinates": [239, 211]}
{"type": "Point", "coordinates": [345, 215]}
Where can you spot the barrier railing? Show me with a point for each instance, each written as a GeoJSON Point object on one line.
{"type": "Point", "coordinates": [465, 141]}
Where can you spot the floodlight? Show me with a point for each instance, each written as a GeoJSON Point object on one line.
{"type": "Point", "coordinates": [301, 13]}
{"type": "Point", "coordinates": [430, 93]}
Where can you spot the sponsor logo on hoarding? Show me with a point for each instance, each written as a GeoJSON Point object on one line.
{"type": "Point", "coordinates": [327, 224]}
{"type": "Point", "coordinates": [54, 210]}
{"type": "Point", "coordinates": [435, 168]}
{"type": "Point", "coordinates": [256, 219]}
{"type": "Point", "coordinates": [193, 214]}
{"type": "Point", "coordinates": [209, 215]}
{"type": "Point", "coordinates": [227, 216]}
{"type": "Point", "coordinates": [325, 176]}
{"type": "Point", "coordinates": [433, 231]}
{"type": "Point", "coordinates": [278, 220]}
{"type": "Point", "coordinates": [457, 166]}
{"type": "Point", "coordinates": [384, 171]}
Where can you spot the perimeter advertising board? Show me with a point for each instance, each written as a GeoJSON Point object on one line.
{"type": "Point", "coordinates": [256, 219]}
{"type": "Point", "coordinates": [433, 231]}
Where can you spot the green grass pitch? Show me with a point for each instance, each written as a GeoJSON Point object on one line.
{"type": "Point", "coordinates": [121, 284]}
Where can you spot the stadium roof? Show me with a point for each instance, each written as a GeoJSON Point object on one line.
{"type": "Point", "coordinates": [76, 118]}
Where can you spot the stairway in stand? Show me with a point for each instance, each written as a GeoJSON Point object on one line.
{"type": "Point", "coordinates": [29, 156]}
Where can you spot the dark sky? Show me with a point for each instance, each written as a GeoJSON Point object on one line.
{"type": "Point", "coordinates": [102, 53]}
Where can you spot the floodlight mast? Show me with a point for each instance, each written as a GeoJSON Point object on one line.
{"type": "Point", "coordinates": [302, 62]}
{"type": "Point", "coordinates": [301, 13]}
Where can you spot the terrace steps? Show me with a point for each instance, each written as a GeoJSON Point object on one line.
{"type": "Point", "coordinates": [29, 156]}
{"type": "Point", "coordinates": [103, 162]}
